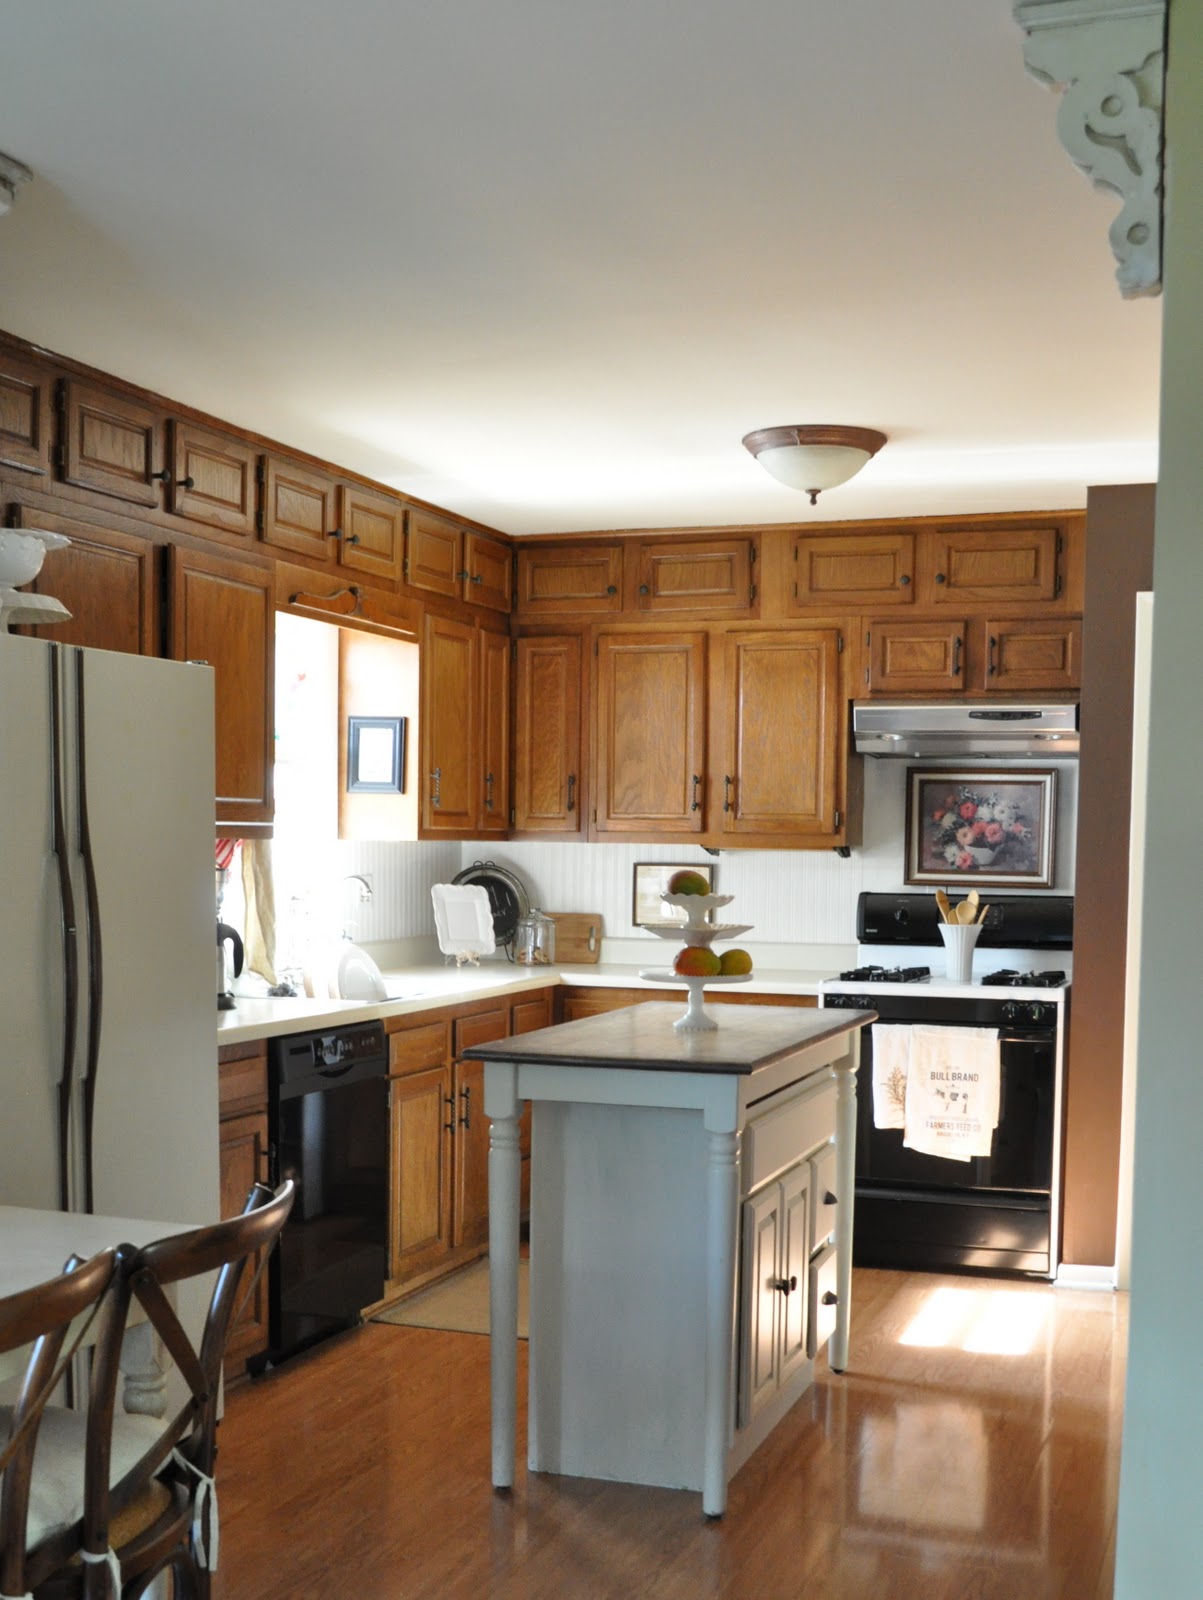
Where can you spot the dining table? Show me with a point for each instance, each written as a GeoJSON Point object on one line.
{"type": "Point", "coordinates": [34, 1246]}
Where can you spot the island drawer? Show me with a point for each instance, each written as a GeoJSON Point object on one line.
{"type": "Point", "coordinates": [779, 1135]}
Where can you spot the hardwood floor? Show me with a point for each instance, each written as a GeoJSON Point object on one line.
{"type": "Point", "coordinates": [971, 1452]}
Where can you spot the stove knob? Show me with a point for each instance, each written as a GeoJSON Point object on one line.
{"type": "Point", "coordinates": [1036, 1011]}
{"type": "Point", "coordinates": [1010, 1010]}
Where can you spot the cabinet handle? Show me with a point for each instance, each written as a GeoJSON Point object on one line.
{"type": "Point", "coordinates": [905, 579]}
{"type": "Point", "coordinates": [830, 1298]}
{"type": "Point", "coordinates": [956, 657]}
{"type": "Point", "coordinates": [786, 1285]}
{"type": "Point", "coordinates": [466, 1096]}
{"type": "Point", "coordinates": [829, 1199]}
{"type": "Point", "coordinates": [643, 589]}
{"type": "Point", "coordinates": [696, 804]}
{"type": "Point", "coordinates": [163, 477]}
{"type": "Point", "coordinates": [990, 670]}
{"type": "Point", "coordinates": [611, 588]}
{"type": "Point", "coordinates": [449, 1102]}
{"type": "Point", "coordinates": [186, 483]}
{"type": "Point", "coordinates": [352, 538]}
{"type": "Point", "coordinates": [940, 578]}
{"type": "Point", "coordinates": [436, 779]}
{"type": "Point", "coordinates": [488, 791]}
{"type": "Point", "coordinates": [477, 577]}
{"type": "Point", "coordinates": [572, 791]}
{"type": "Point", "coordinates": [463, 573]}
{"type": "Point", "coordinates": [728, 785]}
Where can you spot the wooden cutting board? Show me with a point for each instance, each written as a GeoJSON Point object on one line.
{"type": "Point", "coordinates": [578, 936]}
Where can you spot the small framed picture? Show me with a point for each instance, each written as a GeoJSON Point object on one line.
{"type": "Point", "coordinates": [651, 881]}
{"type": "Point", "coordinates": [376, 755]}
{"type": "Point", "coordinates": [973, 825]}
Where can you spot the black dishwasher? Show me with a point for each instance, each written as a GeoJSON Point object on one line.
{"type": "Point", "coordinates": [329, 1132]}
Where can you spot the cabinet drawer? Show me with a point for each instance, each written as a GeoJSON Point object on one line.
{"type": "Point", "coordinates": [825, 1197]}
{"type": "Point", "coordinates": [415, 1048]}
{"type": "Point", "coordinates": [482, 1028]}
{"type": "Point", "coordinates": [242, 1082]}
{"type": "Point", "coordinates": [820, 1324]}
{"type": "Point", "coordinates": [776, 1138]}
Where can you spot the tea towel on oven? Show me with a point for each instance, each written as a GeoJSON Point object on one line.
{"type": "Point", "coordinates": [952, 1092]}
{"type": "Point", "coordinates": [891, 1063]}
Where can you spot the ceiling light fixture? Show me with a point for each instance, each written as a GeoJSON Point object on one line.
{"type": "Point", "coordinates": [12, 175]}
{"type": "Point", "coordinates": [813, 458]}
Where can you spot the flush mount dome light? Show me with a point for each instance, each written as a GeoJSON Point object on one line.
{"type": "Point", "coordinates": [813, 458]}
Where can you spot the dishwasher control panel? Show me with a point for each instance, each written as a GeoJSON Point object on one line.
{"type": "Point", "coordinates": [298, 1055]}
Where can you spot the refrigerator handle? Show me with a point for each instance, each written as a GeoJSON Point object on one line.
{"type": "Point", "coordinates": [70, 938]}
{"type": "Point", "coordinates": [95, 942]}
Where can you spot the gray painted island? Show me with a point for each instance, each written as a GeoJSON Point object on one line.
{"type": "Point", "coordinates": [690, 1235]}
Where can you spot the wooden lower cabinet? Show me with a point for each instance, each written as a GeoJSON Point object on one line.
{"type": "Point", "coordinates": [439, 1165]}
{"type": "Point", "coordinates": [243, 1162]}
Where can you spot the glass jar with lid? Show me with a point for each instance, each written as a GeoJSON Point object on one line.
{"type": "Point", "coordinates": [535, 939]}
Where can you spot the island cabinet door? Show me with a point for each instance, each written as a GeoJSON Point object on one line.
{"type": "Point", "coordinates": [775, 1251]}
{"type": "Point", "coordinates": [651, 734]}
{"type": "Point", "coordinates": [420, 1171]}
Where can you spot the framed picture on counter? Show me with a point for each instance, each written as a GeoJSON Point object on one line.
{"type": "Point", "coordinates": [651, 881]}
{"type": "Point", "coordinates": [980, 826]}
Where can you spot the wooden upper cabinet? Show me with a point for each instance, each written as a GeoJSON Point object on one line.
{"type": "Point", "coordinates": [494, 732]}
{"type": "Point", "coordinates": [372, 532]}
{"type": "Point", "coordinates": [300, 509]}
{"type": "Point", "coordinates": [222, 613]}
{"type": "Point", "coordinates": [1010, 565]}
{"type": "Point", "coordinates": [107, 579]}
{"type": "Point", "coordinates": [547, 735]}
{"type": "Point", "coordinates": [1026, 653]}
{"type": "Point", "coordinates": [212, 479]}
{"type": "Point", "coordinates": [782, 712]}
{"type": "Point", "coordinates": [443, 557]}
{"type": "Point", "coordinates": [448, 726]}
{"type": "Point", "coordinates": [112, 443]}
{"type": "Point", "coordinates": [580, 579]}
{"type": "Point", "coordinates": [25, 413]}
{"type": "Point", "coordinates": [698, 575]}
{"type": "Point", "coordinates": [850, 570]}
{"type": "Point", "coordinates": [916, 657]}
{"type": "Point", "coordinates": [650, 766]}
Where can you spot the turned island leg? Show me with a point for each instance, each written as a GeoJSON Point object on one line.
{"type": "Point", "coordinates": [845, 1168]}
{"type": "Point", "coordinates": [722, 1228]}
{"type": "Point", "coordinates": [505, 1174]}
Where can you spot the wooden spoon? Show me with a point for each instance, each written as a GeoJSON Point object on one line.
{"type": "Point", "coordinates": [942, 902]}
{"type": "Point", "coordinates": [982, 914]}
{"type": "Point", "coordinates": [965, 913]}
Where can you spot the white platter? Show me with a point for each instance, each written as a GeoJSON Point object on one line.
{"type": "Point", "coordinates": [463, 919]}
{"type": "Point", "coordinates": [701, 935]}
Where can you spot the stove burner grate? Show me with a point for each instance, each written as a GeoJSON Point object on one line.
{"type": "Point", "coordinates": [1007, 977]}
{"type": "Point", "coordinates": [882, 975]}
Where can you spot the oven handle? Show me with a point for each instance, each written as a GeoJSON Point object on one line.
{"type": "Point", "coordinates": [1039, 1036]}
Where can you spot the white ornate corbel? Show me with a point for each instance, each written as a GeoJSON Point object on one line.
{"type": "Point", "coordinates": [1107, 58]}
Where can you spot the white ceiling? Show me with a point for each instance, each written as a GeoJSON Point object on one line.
{"type": "Point", "coordinates": [544, 262]}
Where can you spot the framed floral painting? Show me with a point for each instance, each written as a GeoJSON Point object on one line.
{"type": "Point", "coordinates": [974, 825]}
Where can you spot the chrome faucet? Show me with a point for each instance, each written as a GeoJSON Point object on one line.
{"type": "Point", "coordinates": [365, 888]}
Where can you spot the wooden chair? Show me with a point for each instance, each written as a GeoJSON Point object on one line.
{"type": "Point", "coordinates": [33, 1509]}
{"type": "Point", "coordinates": [149, 1499]}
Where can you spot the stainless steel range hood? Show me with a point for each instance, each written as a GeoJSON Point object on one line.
{"type": "Point", "coordinates": [965, 728]}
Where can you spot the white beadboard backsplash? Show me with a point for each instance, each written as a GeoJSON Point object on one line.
{"type": "Point", "coordinates": [789, 896]}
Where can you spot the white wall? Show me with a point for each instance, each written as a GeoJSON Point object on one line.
{"type": "Point", "coordinates": [1159, 1552]}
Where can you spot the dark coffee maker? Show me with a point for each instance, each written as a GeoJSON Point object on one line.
{"type": "Point", "coordinates": [227, 935]}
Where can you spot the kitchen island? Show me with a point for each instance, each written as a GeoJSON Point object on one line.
{"type": "Point", "coordinates": [691, 1236]}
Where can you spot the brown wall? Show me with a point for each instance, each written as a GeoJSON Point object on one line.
{"type": "Point", "coordinates": [1119, 564]}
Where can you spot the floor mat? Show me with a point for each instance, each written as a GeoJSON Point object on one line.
{"type": "Point", "coordinates": [459, 1304]}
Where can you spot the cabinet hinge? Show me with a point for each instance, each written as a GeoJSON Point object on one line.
{"type": "Point", "coordinates": [868, 637]}
{"type": "Point", "coordinates": [795, 591]}
{"type": "Point", "coordinates": [59, 455]}
{"type": "Point", "coordinates": [752, 556]}
{"type": "Point", "coordinates": [866, 674]}
{"type": "Point", "coordinates": [1057, 586]}
{"type": "Point", "coordinates": [258, 521]}
{"type": "Point", "coordinates": [839, 817]}
{"type": "Point", "coordinates": [751, 593]}
{"type": "Point", "coordinates": [596, 651]}
{"type": "Point", "coordinates": [405, 567]}
{"type": "Point", "coordinates": [839, 644]}
{"type": "Point", "coordinates": [513, 816]}
{"type": "Point", "coordinates": [1060, 543]}
{"type": "Point", "coordinates": [595, 813]}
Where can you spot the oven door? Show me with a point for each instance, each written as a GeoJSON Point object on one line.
{"type": "Point", "coordinates": [991, 1213]}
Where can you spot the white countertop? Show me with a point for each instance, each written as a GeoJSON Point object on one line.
{"type": "Point", "coordinates": [428, 987]}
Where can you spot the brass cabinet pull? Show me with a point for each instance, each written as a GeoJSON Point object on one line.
{"type": "Point", "coordinates": [696, 804]}
{"type": "Point", "coordinates": [466, 1096]}
{"type": "Point", "coordinates": [449, 1101]}
{"type": "Point", "coordinates": [956, 657]}
{"type": "Point", "coordinates": [728, 785]}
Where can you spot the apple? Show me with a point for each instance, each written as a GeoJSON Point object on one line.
{"type": "Point", "coordinates": [734, 962]}
{"type": "Point", "coordinates": [688, 882]}
{"type": "Point", "coordinates": [696, 961]}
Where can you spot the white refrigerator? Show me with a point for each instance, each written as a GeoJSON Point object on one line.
{"type": "Point", "coordinates": [108, 1053]}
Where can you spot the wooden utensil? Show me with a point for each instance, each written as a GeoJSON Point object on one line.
{"type": "Point", "coordinates": [981, 916]}
{"type": "Point", "coordinates": [971, 900]}
{"type": "Point", "coordinates": [942, 902]}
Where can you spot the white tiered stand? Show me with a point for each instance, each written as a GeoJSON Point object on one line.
{"type": "Point", "coordinates": [696, 930]}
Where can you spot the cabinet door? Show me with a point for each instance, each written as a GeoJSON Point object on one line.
{"type": "Point", "coordinates": [651, 734]}
{"type": "Point", "coordinates": [583, 579]}
{"type": "Point", "coordinates": [299, 509]}
{"type": "Point", "coordinates": [106, 579]}
{"type": "Point", "coordinates": [112, 444]}
{"type": "Point", "coordinates": [910, 657]}
{"type": "Point", "coordinates": [470, 1224]}
{"type": "Point", "coordinates": [999, 565]}
{"type": "Point", "coordinates": [434, 554]}
{"type": "Point", "coordinates": [213, 479]}
{"type": "Point", "coordinates": [1034, 654]}
{"type": "Point", "coordinates": [494, 732]}
{"type": "Point", "coordinates": [783, 715]}
{"type": "Point", "coordinates": [547, 735]}
{"type": "Point", "coordinates": [373, 532]}
{"type": "Point", "coordinates": [699, 575]}
{"type": "Point", "coordinates": [242, 1156]}
{"type": "Point", "coordinates": [792, 1269]}
{"type": "Point", "coordinates": [221, 612]}
{"type": "Point", "coordinates": [451, 767]}
{"type": "Point", "coordinates": [760, 1301]}
{"type": "Point", "coordinates": [421, 1112]}
{"type": "Point", "coordinates": [25, 413]}
{"type": "Point", "coordinates": [489, 572]}
{"type": "Point", "coordinates": [851, 570]}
